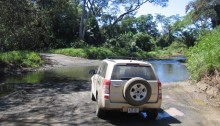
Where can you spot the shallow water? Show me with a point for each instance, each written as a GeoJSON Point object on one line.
{"type": "Point", "coordinates": [170, 70]}
{"type": "Point", "coordinates": [64, 74]}
{"type": "Point", "coordinates": [167, 71]}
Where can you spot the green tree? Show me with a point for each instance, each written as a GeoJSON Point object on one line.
{"type": "Point", "coordinates": [90, 8]}
{"type": "Point", "coordinates": [21, 27]}
{"type": "Point", "coordinates": [202, 10]}
{"type": "Point", "coordinates": [116, 8]}
{"type": "Point", "coordinates": [128, 24]}
{"type": "Point", "coordinates": [167, 32]}
{"type": "Point", "coordinates": [185, 31]}
{"type": "Point", "coordinates": [93, 34]}
{"type": "Point", "coordinates": [63, 18]}
{"type": "Point", "coordinates": [146, 23]}
{"type": "Point", "coordinates": [144, 41]}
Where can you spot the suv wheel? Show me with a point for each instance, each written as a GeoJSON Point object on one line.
{"type": "Point", "coordinates": [137, 91]}
{"type": "Point", "coordinates": [99, 112]}
{"type": "Point", "coordinates": [92, 96]}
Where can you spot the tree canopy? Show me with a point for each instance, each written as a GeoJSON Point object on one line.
{"type": "Point", "coordinates": [48, 24]}
{"type": "Point", "coordinates": [202, 10]}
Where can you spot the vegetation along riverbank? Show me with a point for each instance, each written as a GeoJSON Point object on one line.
{"type": "Point", "coordinates": [72, 28]}
{"type": "Point", "coordinates": [13, 61]}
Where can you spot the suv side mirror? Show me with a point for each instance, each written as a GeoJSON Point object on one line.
{"type": "Point", "coordinates": [92, 72]}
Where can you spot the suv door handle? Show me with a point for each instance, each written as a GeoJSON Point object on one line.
{"type": "Point", "coordinates": [116, 85]}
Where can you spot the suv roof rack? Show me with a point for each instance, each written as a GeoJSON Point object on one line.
{"type": "Point", "coordinates": [125, 58]}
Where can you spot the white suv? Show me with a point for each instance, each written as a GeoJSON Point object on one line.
{"type": "Point", "coordinates": [127, 85]}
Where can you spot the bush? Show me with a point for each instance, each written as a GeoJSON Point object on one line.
{"type": "Point", "coordinates": [21, 58]}
{"type": "Point", "coordinates": [79, 44]}
{"type": "Point", "coordinates": [122, 41]}
{"type": "Point", "coordinates": [175, 49]}
{"type": "Point", "coordinates": [144, 41]}
{"type": "Point", "coordinates": [153, 54]}
{"type": "Point", "coordinates": [99, 53]}
{"type": "Point", "coordinates": [91, 53]}
{"type": "Point", "coordinates": [204, 57]}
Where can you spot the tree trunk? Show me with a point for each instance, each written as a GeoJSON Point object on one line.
{"type": "Point", "coordinates": [83, 22]}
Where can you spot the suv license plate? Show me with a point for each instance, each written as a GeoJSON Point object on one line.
{"type": "Point", "coordinates": [133, 110]}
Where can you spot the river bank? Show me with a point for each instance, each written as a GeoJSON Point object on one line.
{"type": "Point", "coordinates": [53, 61]}
{"type": "Point", "coordinates": [50, 61]}
{"type": "Point", "coordinates": [212, 92]}
{"type": "Point", "coordinates": [68, 103]}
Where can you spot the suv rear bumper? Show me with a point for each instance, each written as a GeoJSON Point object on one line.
{"type": "Point", "coordinates": [107, 105]}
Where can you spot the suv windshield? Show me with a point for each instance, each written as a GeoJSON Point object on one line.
{"type": "Point", "coordinates": [121, 72]}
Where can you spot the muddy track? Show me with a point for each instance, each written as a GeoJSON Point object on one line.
{"type": "Point", "coordinates": [58, 60]}
{"type": "Point", "coordinates": [68, 104]}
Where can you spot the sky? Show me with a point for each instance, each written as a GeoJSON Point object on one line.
{"type": "Point", "coordinates": [174, 7]}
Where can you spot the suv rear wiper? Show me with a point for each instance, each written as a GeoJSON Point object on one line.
{"type": "Point", "coordinates": [126, 78]}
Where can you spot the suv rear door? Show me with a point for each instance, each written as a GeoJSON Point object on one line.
{"type": "Point", "coordinates": [123, 72]}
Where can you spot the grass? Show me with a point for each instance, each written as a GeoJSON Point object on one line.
{"type": "Point", "coordinates": [20, 59]}
{"type": "Point", "coordinates": [90, 53]}
{"type": "Point", "coordinates": [99, 53]}
{"type": "Point", "coordinates": [70, 52]}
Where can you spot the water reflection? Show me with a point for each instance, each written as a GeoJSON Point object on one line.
{"type": "Point", "coordinates": [170, 70]}
{"type": "Point", "coordinates": [53, 75]}
{"type": "Point", "coordinates": [68, 74]}
{"type": "Point", "coordinates": [167, 71]}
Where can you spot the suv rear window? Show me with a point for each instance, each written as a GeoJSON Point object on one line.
{"type": "Point", "coordinates": [122, 72]}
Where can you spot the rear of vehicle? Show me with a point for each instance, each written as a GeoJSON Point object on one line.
{"type": "Point", "coordinates": [129, 86]}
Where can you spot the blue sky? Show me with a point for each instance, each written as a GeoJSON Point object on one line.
{"type": "Point", "coordinates": [174, 7]}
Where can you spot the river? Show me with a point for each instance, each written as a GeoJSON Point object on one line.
{"type": "Point", "coordinates": [169, 70]}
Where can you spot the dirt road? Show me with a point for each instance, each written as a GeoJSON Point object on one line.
{"type": "Point", "coordinates": [69, 104]}
{"type": "Point", "coordinates": [57, 60]}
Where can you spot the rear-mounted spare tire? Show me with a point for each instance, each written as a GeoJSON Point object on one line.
{"type": "Point", "coordinates": [137, 91]}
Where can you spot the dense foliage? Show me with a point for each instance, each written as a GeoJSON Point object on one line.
{"type": "Point", "coordinates": [204, 57]}
{"type": "Point", "coordinates": [42, 24]}
{"type": "Point", "coordinates": [23, 26]}
{"type": "Point", "coordinates": [103, 28]}
{"type": "Point", "coordinates": [205, 10]}
{"type": "Point", "coordinates": [100, 53]}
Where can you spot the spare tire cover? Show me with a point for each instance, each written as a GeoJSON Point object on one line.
{"type": "Point", "coordinates": [137, 91]}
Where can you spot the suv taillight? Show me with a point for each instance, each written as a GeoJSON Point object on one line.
{"type": "Point", "coordinates": [106, 88]}
{"type": "Point", "coordinates": [159, 90]}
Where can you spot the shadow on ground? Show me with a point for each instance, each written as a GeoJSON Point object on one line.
{"type": "Point", "coordinates": [66, 103]}
{"type": "Point", "coordinates": [124, 119]}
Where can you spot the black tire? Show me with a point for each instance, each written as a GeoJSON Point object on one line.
{"type": "Point", "coordinates": [99, 111]}
{"type": "Point", "coordinates": [129, 87]}
{"type": "Point", "coordinates": [152, 114]}
{"type": "Point", "coordinates": [92, 97]}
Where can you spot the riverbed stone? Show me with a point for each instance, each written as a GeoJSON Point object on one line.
{"type": "Point", "coordinates": [213, 91]}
